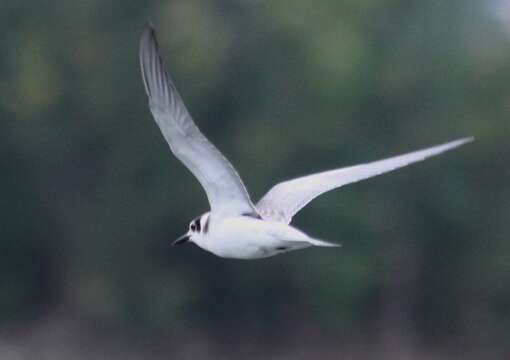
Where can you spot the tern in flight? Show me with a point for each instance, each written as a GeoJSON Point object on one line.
{"type": "Point", "coordinates": [235, 227]}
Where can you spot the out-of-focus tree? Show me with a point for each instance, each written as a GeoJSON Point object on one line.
{"type": "Point", "coordinates": [92, 195]}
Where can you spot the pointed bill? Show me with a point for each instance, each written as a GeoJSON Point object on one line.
{"type": "Point", "coordinates": [181, 240]}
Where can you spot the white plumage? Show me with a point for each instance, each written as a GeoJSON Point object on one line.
{"type": "Point", "coordinates": [287, 198]}
{"type": "Point", "coordinates": [235, 227]}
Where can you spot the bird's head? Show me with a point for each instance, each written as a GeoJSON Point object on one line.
{"type": "Point", "coordinates": [198, 227]}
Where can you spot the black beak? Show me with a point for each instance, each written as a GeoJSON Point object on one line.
{"type": "Point", "coordinates": [181, 240]}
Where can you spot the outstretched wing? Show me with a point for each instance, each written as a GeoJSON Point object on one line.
{"type": "Point", "coordinates": [224, 188]}
{"type": "Point", "coordinates": [287, 198]}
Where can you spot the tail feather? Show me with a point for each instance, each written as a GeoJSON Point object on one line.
{"type": "Point", "coordinates": [317, 242]}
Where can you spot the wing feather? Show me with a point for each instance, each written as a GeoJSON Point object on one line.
{"type": "Point", "coordinates": [285, 199]}
{"type": "Point", "coordinates": [223, 186]}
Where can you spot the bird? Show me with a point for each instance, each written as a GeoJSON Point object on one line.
{"type": "Point", "coordinates": [235, 227]}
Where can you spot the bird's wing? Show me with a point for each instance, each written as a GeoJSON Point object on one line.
{"type": "Point", "coordinates": [223, 186]}
{"type": "Point", "coordinates": [287, 198]}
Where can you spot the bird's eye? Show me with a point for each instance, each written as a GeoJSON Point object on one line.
{"type": "Point", "coordinates": [193, 227]}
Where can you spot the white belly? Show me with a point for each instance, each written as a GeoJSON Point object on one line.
{"type": "Point", "coordinates": [247, 238]}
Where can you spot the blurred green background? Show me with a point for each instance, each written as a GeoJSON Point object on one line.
{"type": "Point", "coordinates": [92, 197]}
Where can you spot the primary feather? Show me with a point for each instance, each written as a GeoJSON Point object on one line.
{"type": "Point", "coordinates": [223, 186]}
{"type": "Point", "coordinates": [285, 199]}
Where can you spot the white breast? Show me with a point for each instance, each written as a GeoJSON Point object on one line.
{"type": "Point", "coordinates": [248, 238]}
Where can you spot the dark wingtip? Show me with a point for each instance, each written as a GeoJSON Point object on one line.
{"type": "Point", "coordinates": [156, 81]}
{"type": "Point", "coordinates": [148, 36]}
{"type": "Point", "coordinates": [149, 25]}
{"type": "Point", "coordinates": [147, 40]}
{"type": "Point", "coordinates": [148, 30]}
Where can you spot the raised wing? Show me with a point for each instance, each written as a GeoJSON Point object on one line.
{"type": "Point", "coordinates": [287, 198]}
{"type": "Point", "coordinates": [224, 188]}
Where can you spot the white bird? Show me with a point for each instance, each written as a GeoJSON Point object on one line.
{"type": "Point", "coordinates": [235, 227]}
